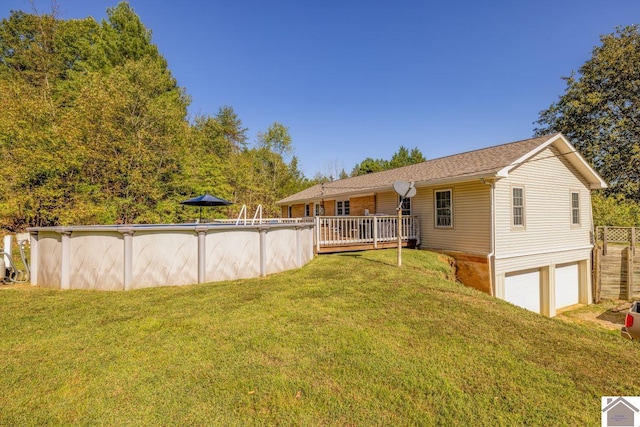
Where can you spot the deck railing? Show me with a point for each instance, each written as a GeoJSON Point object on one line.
{"type": "Point", "coordinates": [370, 230]}
{"type": "Point", "coordinates": [360, 230]}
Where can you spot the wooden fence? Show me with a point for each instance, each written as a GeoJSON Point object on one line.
{"type": "Point", "coordinates": [616, 263]}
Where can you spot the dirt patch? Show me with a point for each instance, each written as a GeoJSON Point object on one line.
{"type": "Point", "coordinates": [608, 314]}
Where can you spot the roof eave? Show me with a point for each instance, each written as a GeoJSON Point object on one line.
{"type": "Point", "coordinates": [428, 183]}
{"type": "Point", "coordinates": [594, 178]}
{"type": "Point", "coordinates": [491, 175]}
{"type": "Point", "coordinates": [327, 197]}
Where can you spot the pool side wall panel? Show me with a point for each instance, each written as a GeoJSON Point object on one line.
{"type": "Point", "coordinates": [96, 257]}
{"type": "Point", "coordinates": [232, 255]}
{"type": "Point", "coordinates": [161, 258]}
{"type": "Point", "coordinates": [49, 259]}
{"type": "Point", "coordinates": [281, 250]}
{"type": "Point", "coordinates": [97, 261]}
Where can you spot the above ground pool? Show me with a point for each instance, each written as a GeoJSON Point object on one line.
{"type": "Point", "coordinates": [105, 257]}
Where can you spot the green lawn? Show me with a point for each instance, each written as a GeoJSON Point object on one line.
{"type": "Point", "coordinates": [347, 340]}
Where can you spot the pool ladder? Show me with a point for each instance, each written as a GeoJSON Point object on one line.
{"type": "Point", "coordinates": [242, 217]}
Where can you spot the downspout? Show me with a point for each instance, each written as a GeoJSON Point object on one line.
{"type": "Point", "coordinates": [595, 295]}
{"type": "Point", "coordinates": [491, 255]}
{"type": "Point", "coordinates": [594, 238]}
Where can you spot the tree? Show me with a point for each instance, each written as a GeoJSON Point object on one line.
{"type": "Point", "coordinates": [404, 158]}
{"type": "Point", "coordinates": [369, 165]}
{"type": "Point", "coordinates": [125, 38]}
{"type": "Point", "coordinates": [400, 158]}
{"type": "Point", "coordinates": [210, 156]}
{"type": "Point", "coordinates": [91, 122]}
{"type": "Point", "coordinates": [132, 145]}
{"type": "Point", "coordinates": [274, 146]}
{"type": "Point", "coordinates": [615, 210]}
{"type": "Point", "coordinates": [330, 172]}
{"type": "Point", "coordinates": [39, 162]}
{"type": "Point", "coordinates": [600, 111]}
{"type": "Point", "coordinates": [267, 172]}
{"type": "Point", "coordinates": [93, 129]}
{"type": "Point", "coordinates": [231, 131]}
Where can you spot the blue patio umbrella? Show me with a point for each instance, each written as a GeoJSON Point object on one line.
{"type": "Point", "coordinates": [206, 200]}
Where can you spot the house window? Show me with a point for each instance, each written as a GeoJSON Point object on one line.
{"type": "Point", "coordinates": [405, 205]}
{"type": "Point", "coordinates": [342, 208]}
{"type": "Point", "coordinates": [517, 203]}
{"type": "Point", "coordinates": [307, 208]}
{"type": "Point", "coordinates": [290, 212]}
{"type": "Point", "coordinates": [443, 215]}
{"type": "Point", "coordinates": [318, 209]}
{"type": "Point", "coordinates": [575, 208]}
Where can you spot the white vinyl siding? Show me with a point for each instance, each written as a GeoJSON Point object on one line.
{"type": "Point", "coordinates": [443, 208]}
{"type": "Point", "coordinates": [386, 203]}
{"type": "Point", "coordinates": [471, 231]}
{"type": "Point", "coordinates": [506, 264]}
{"type": "Point", "coordinates": [548, 177]}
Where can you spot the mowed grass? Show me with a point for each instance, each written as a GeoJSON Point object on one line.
{"type": "Point", "coordinates": [347, 340]}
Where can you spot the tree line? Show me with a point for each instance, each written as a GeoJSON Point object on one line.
{"type": "Point", "coordinates": [94, 129]}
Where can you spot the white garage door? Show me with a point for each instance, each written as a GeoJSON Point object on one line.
{"type": "Point", "coordinates": [522, 288]}
{"type": "Point", "coordinates": [567, 285]}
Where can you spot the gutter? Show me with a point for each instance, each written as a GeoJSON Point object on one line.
{"type": "Point", "coordinates": [328, 192]}
{"type": "Point", "coordinates": [491, 256]}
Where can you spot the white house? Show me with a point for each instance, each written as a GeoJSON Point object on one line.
{"type": "Point", "coordinates": [516, 217]}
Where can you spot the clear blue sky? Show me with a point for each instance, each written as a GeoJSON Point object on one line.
{"type": "Point", "coordinates": [357, 79]}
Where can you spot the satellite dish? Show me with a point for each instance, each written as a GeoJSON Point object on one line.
{"type": "Point", "coordinates": [405, 189]}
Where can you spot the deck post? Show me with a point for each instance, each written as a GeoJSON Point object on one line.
{"type": "Point", "coordinates": [399, 236]}
{"type": "Point", "coordinates": [375, 232]}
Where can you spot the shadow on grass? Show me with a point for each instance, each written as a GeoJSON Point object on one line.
{"type": "Point", "coordinates": [614, 315]}
{"type": "Point", "coordinates": [359, 255]}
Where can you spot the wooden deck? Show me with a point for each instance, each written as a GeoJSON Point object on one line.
{"type": "Point", "coordinates": [359, 233]}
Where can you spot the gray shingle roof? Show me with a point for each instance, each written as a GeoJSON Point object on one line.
{"type": "Point", "coordinates": [483, 162]}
